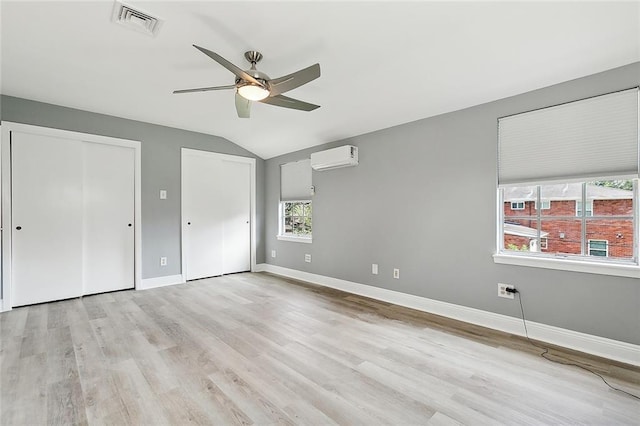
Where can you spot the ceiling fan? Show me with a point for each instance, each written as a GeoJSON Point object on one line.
{"type": "Point", "coordinates": [254, 85]}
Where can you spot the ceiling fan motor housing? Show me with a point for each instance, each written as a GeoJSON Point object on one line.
{"type": "Point", "coordinates": [253, 56]}
{"type": "Point", "coordinates": [258, 75]}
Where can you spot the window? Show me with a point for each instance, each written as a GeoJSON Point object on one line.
{"type": "Point", "coordinates": [544, 243]}
{"type": "Point", "coordinates": [296, 219]}
{"type": "Point", "coordinates": [599, 248]}
{"type": "Point", "coordinates": [605, 230]}
{"type": "Point", "coordinates": [583, 155]}
{"type": "Point", "coordinates": [544, 205]}
{"type": "Point", "coordinates": [588, 211]}
{"type": "Point", "coordinates": [295, 211]}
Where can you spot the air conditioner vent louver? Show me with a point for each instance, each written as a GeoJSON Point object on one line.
{"type": "Point", "coordinates": [135, 19]}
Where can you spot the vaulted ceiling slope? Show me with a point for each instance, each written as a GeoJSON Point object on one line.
{"type": "Point", "coordinates": [383, 63]}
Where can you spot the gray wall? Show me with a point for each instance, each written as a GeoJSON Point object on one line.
{"type": "Point", "coordinates": [423, 200]}
{"type": "Point", "coordinates": [160, 170]}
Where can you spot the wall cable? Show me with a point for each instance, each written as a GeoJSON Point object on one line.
{"type": "Point", "coordinates": [545, 354]}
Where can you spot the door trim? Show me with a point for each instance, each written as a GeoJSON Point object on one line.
{"type": "Point", "coordinates": [5, 166]}
{"type": "Point", "coordinates": [252, 195]}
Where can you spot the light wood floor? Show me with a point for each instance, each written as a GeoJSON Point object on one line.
{"type": "Point", "coordinates": [258, 349]}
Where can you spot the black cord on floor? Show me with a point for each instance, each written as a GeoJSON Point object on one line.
{"type": "Point", "coordinates": [546, 352]}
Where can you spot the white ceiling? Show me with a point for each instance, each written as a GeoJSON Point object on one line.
{"type": "Point", "coordinates": [383, 63]}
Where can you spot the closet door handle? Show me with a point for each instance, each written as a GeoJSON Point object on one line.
{"type": "Point", "coordinates": [18, 228]}
{"type": "Point", "coordinates": [188, 223]}
{"type": "Point", "coordinates": [129, 225]}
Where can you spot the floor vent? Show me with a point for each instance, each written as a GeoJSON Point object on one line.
{"type": "Point", "coordinates": [135, 19]}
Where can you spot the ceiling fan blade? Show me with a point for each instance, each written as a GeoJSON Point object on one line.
{"type": "Point", "coordinates": [228, 65]}
{"type": "Point", "coordinates": [204, 89]}
{"type": "Point", "coordinates": [297, 79]}
{"type": "Point", "coordinates": [243, 106]}
{"type": "Point", "coordinates": [286, 102]}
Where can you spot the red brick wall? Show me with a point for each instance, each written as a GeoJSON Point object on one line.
{"type": "Point", "coordinates": [612, 207]}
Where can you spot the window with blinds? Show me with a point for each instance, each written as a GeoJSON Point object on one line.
{"type": "Point", "coordinates": [295, 210]}
{"type": "Point", "coordinates": [579, 161]}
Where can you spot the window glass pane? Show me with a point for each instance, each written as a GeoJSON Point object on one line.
{"type": "Point", "coordinates": [298, 209]}
{"type": "Point", "coordinates": [610, 197]}
{"type": "Point", "coordinates": [610, 237]}
{"type": "Point", "coordinates": [564, 236]}
{"type": "Point", "coordinates": [561, 199]}
{"type": "Point", "coordinates": [297, 225]}
{"type": "Point", "coordinates": [288, 207]}
{"type": "Point", "coordinates": [519, 234]}
{"type": "Point", "coordinates": [519, 201]}
{"type": "Point", "coordinates": [307, 225]}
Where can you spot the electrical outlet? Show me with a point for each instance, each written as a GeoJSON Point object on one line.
{"type": "Point", "coordinates": [273, 253]}
{"type": "Point", "coordinates": [307, 258]}
{"type": "Point", "coordinates": [502, 291]}
{"type": "Point", "coordinates": [396, 273]}
{"type": "Point", "coordinates": [163, 261]}
{"type": "Point", "coordinates": [374, 268]}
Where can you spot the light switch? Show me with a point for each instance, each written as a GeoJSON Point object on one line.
{"type": "Point", "coordinates": [163, 194]}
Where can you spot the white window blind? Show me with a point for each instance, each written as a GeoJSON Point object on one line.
{"type": "Point", "coordinates": [295, 181]}
{"type": "Point", "coordinates": [595, 137]}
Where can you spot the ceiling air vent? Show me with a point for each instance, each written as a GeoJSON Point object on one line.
{"type": "Point", "coordinates": [135, 19]}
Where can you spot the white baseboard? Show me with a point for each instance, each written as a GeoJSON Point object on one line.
{"type": "Point", "coordinates": [595, 345]}
{"type": "Point", "coordinates": [161, 282]}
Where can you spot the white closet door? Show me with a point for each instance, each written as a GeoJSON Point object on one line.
{"type": "Point", "coordinates": [108, 209]}
{"type": "Point", "coordinates": [237, 208]}
{"type": "Point", "coordinates": [46, 218]}
{"type": "Point", "coordinates": [203, 218]}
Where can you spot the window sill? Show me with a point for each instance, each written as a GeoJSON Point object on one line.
{"type": "Point", "coordinates": [619, 270]}
{"type": "Point", "coordinates": [305, 240]}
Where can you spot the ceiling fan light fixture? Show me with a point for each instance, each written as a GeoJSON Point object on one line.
{"type": "Point", "coordinates": [253, 92]}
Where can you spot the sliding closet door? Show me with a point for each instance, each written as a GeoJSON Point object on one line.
{"type": "Point", "coordinates": [216, 213]}
{"type": "Point", "coordinates": [237, 210]}
{"type": "Point", "coordinates": [46, 218]}
{"type": "Point", "coordinates": [108, 210]}
{"type": "Point", "coordinates": [202, 216]}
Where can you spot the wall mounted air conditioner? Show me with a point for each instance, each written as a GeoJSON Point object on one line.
{"type": "Point", "coordinates": [342, 156]}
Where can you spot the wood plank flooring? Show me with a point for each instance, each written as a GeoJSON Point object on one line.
{"type": "Point", "coordinates": [258, 349]}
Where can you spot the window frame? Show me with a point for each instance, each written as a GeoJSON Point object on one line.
{"type": "Point", "coordinates": [516, 203]}
{"type": "Point", "coordinates": [568, 262]}
{"type": "Point", "coordinates": [282, 236]}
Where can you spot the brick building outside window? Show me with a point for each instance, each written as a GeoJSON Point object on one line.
{"type": "Point", "coordinates": [607, 221]}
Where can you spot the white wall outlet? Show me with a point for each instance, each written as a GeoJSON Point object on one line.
{"type": "Point", "coordinates": [374, 268]}
{"type": "Point", "coordinates": [163, 194]}
{"type": "Point", "coordinates": [307, 258]}
{"type": "Point", "coordinates": [163, 261]}
{"type": "Point", "coordinates": [273, 253]}
{"type": "Point", "coordinates": [502, 291]}
{"type": "Point", "coordinates": [396, 273]}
